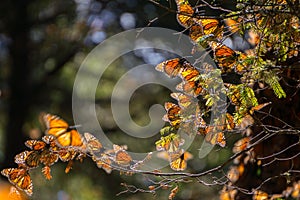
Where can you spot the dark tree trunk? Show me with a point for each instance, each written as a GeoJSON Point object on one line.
{"type": "Point", "coordinates": [19, 98]}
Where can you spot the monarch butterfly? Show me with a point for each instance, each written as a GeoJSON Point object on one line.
{"type": "Point", "coordinates": [184, 17]}
{"type": "Point", "coordinates": [190, 106]}
{"type": "Point", "coordinates": [48, 158]}
{"type": "Point", "coordinates": [20, 178]}
{"type": "Point", "coordinates": [228, 59]}
{"type": "Point", "coordinates": [225, 56]}
{"type": "Point", "coordinates": [233, 25]}
{"type": "Point", "coordinates": [173, 114]}
{"type": "Point", "coordinates": [183, 100]}
{"type": "Point", "coordinates": [214, 136]}
{"type": "Point", "coordinates": [229, 122]}
{"type": "Point", "coordinates": [241, 145]}
{"type": "Point", "coordinates": [65, 135]}
{"type": "Point", "coordinates": [29, 158]}
{"type": "Point", "coordinates": [192, 82]}
{"type": "Point", "coordinates": [35, 144]}
{"type": "Point", "coordinates": [204, 29]}
{"type": "Point", "coordinates": [170, 143]}
{"type": "Point", "coordinates": [94, 145]}
{"type": "Point", "coordinates": [66, 155]}
{"type": "Point", "coordinates": [50, 140]}
{"type": "Point", "coordinates": [178, 162]}
{"type": "Point", "coordinates": [104, 162]}
{"type": "Point", "coordinates": [173, 67]}
{"type": "Point", "coordinates": [190, 88]}
{"type": "Point", "coordinates": [121, 156]}
{"type": "Point", "coordinates": [190, 74]}
{"type": "Point", "coordinates": [235, 172]}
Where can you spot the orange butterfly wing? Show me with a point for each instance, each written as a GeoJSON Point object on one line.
{"type": "Point", "coordinates": [184, 17]}
{"type": "Point", "coordinates": [191, 84]}
{"type": "Point", "coordinates": [123, 158]}
{"type": "Point", "coordinates": [183, 100]}
{"type": "Point", "coordinates": [228, 194]}
{"type": "Point", "coordinates": [48, 158]}
{"type": "Point", "coordinates": [205, 27]}
{"type": "Point", "coordinates": [66, 155]}
{"type": "Point", "coordinates": [214, 137]}
{"type": "Point", "coordinates": [229, 122]}
{"type": "Point", "coordinates": [241, 145]}
{"type": "Point", "coordinates": [93, 143]}
{"type": "Point", "coordinates": [30, 158]}
{"type": "Point", "coordinates": [20, 178]}
{"type": "Point", "coordinates": [65, 135]}
{"type": "Point", "coordinates": [228, 59]}
{"type": "Point", "coordinates": [179, 162]}
{"type": "Point", "coordinates": [209, 26]}
{"type": "Point", "coordinates": [35, 144]}
{"type": "Point", "coordinates": [173, 67]}
{"type": "Point", "coordinates": [104, 162]}
{"type": "Point", "coordinates": [173, 114]}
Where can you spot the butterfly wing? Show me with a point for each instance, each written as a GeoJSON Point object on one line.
{"type": "Point", "coordinates": [173, 67]}
{"type": "Point", "coordinates": [214, 138]}
{"type": "Point", "coordinates": [178, 162]}
{"type": "Point", "coordinates": [35, 144]}
{"type": "Point", "coordinates": [241, 145]}
{"type": "Point", "coordinates": [55, 125]}
{"type": "Point", "coordinates": [104, 162]}
{"type": "Point", "coordinates": [123, 158]}
{"type": "Point", "coordinates": [30, 158]}
{"type": "Point", "coordinates": [93, 143]}
{"type": "Point", "coordinates": [65, 135]}
{"type": "Point", "coordinates": [20, 178]}
{"type": "Point", "coordinates": [70, 138]}
{"type": "Point", "coordinates": [184, 17]}
{"type": "Point", "coordinates": [48, 158]}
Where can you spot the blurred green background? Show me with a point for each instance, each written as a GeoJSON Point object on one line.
{"type": "Point", "coordinates": [42, 44]}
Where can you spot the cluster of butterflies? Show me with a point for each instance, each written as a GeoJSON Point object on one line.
{"type": "Point", "coordinates": [65, 143]}
{"type": "Point", "coordinates": [209, 32]}
{"type": "Point", "coordinates": [188, 115]}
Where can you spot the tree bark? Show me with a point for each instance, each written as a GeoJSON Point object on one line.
{"type": "Point", "coordinates": [19, 86]}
